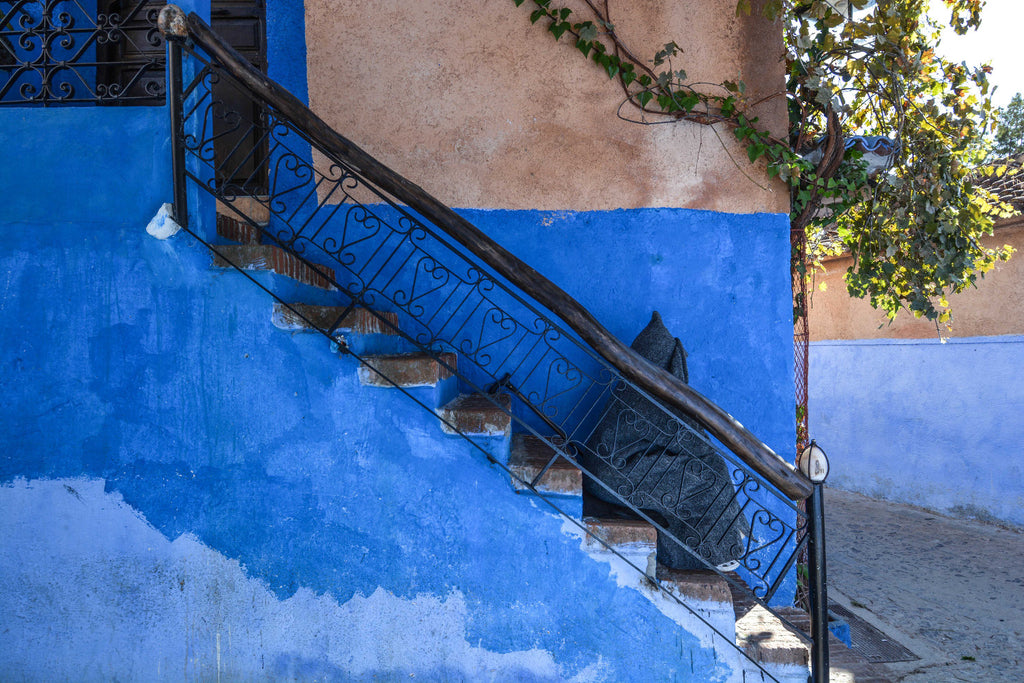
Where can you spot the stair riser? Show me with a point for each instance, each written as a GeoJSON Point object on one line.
{"type": "Point", "coordinates": [237, 230]}
{"type": "Point", "coordinates": [560, 483]}
{"type": "Point", "coordinates": [272, 259]}
{"type": "Point", "coordinates": [305, 317]}
{"type": "Point", "coordinates": [633, 537]}
{"type": "Point", "coordinates": [490, 421]}
{"type": "Point", "coordinates": [405, 371]}
{"type": "Point", "coordinates": [250, 207]}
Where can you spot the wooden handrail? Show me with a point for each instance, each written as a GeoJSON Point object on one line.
{"type": "Point", "coordinates": [659, 383]}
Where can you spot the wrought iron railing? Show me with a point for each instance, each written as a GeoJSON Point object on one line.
{"type": "Point", "coordinates": [386, 246]}
{"type": "Point", "coordinates": [80, 51]}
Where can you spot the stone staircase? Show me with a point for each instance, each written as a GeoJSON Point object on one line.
{"type": "Point", "coordinates": [756, 630]}
{"type": "Point", "coordinates": [759, 632]}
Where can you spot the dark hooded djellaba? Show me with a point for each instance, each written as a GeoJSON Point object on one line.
{"type": "Point", "coordinates": [662, 464]}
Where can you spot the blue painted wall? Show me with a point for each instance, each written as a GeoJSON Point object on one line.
{"type": "Point", "coordinates": [64, 175]}
{"type": "Point", "coordinates": [191, 490]}
{"type": "Point", "coordinates": [923, 422]}
{"type": "Point", "coordinates": [60, 176]}
{"type": "Point", "coordinates": [130, 367]}
{"type": "Point", "coordinates": [57, 160]}
{"type": "Point", "coordinates": [719, 281]}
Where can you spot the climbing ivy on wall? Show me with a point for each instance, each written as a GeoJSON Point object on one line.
{"type": "Point", "coordinates": [854, 68]}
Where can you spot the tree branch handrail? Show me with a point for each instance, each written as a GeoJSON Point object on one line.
{"type": "Point", "coordinates": [660, 384]}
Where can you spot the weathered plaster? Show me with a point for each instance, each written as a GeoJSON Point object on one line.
{"type": "Point", "coordinates": [995, 306]}
{"type": "Point", "coordinates": [485, 110]}
{"type": "Point", "coordinates": [201, 617]}
{"type": "Point", "coordinates": [225, 472]}
{"type": "Point", "coordinates": [171, 383]}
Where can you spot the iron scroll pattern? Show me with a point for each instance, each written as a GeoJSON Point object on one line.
{"type": "Point", "coordinates": [386, 258]}
{"type": "Point", "coordinates": [55, 52]}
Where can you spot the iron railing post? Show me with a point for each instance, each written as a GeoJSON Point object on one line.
{"type": "Point", "coordinates": [174, 99]}
{"type": "Point", "coordinates": [818, 588]}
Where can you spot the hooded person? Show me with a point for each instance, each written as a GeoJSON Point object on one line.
{"type": "Point", "coordinates": [661, 463]}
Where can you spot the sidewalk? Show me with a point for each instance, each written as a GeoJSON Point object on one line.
{"type": "Point", "coordinates": [949, 590]}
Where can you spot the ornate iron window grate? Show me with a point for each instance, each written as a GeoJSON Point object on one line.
{"type": "Point", "coordinates": [60, 52]}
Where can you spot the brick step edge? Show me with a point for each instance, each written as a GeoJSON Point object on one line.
{"type": "Point", "coordinates": [763, 636]}
{"type": "Point", "coordinates": [474, 414]}
{"type": "Point", "coordinates": [256, 208]}
{"type": "Point", "coordinates": [237, 230]}
{"type": "Point", "coordinates": [528, 457]}
{"type": "Point", "coordinates": [405, 370]}
{"type": "Point", "coordinates": [631, 535]}
{"type": "Point", "coordinates": [311, 317]}
{"type": "Point", "coordinates": [274, 259]}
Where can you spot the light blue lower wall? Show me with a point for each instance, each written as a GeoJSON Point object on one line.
{"type": "Point", "coordinates": [923, 422]}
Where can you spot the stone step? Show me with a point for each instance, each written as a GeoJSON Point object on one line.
{"type": "Point", "coordinates": [273, 259]}
{"type": "Point", "coordinates": [632, 536]}
{"type": "Point", "coordinates": [763, 635]}
{"type": "Point", "coordinates": [530, 455]}
{"type": "Point", "coordinates": [310, 317]}
{"type": "Point", "coordinates": [254, 208]}
{"type": "Point", "coordinates": [702, 585]}
{"type": "Point", "coordinates": [477, 415]}
{"type": "Point", "coordinates": [406, 370]}
{"type": "Point", "coordinates": [235, 229]}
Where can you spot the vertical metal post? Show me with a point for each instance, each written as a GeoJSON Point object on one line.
{"type": "Point", "coordinates": [174, 98]}
{"type": "Point", "coordinates": [818, 588]}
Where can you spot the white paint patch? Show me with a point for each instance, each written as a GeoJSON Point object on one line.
{"type": "Point", "coordinates": [97, 593]}
{"type": "Point", "coordinates": [425, 444]}
{"type": "Point", "coordinates": [695, 617]}
{"type": "Point", "coordinates": [718, 614]}
{"type": "Point", "coordinates": [162, 225]}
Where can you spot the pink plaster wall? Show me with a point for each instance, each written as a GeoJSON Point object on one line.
{"type": "Point", "coordinates": [484, 110]}
{"type": "Point", "coordinates": [995, 306]}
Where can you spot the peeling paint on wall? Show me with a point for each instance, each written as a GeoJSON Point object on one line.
{"type": "Point", "coordinates": [172, 385]}
{"type": "Point", "coordinates": [117, 599]}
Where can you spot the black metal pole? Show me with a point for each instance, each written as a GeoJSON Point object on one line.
{"type": "Point", "coordinates": [174, 98]}
{"type": "Point", "coordinates": [818, 587]}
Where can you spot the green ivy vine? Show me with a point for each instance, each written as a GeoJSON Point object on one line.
{"type": "Point", "coordinates": [864, 66]}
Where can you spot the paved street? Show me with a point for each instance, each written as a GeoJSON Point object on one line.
{"type": "Point", "coordinates": [950, 590]}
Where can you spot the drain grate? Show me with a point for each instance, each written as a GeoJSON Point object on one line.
{"type": "Point", "coordinates": [869, 642]}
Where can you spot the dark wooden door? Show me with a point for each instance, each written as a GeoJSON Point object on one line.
{"type": "Point", "coordinates": [130, 58]}
{"type": "Point", "coordinates": [240, 147]}
{"type": "Point", "coordinates": [131, 71]}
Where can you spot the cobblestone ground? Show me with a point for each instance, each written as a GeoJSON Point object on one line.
{"type": "Point", "coordinates": [950, 590]}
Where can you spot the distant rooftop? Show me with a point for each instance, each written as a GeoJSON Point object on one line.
{"type": "Point", "coordinates": [1010, 186]}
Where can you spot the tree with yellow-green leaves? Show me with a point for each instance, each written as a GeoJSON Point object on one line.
{"type": "Point", "coordinates": [1009, 137]}
{"type": "Point", "coordinates": [861, 68]}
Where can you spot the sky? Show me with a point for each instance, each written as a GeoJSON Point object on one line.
{"type": "Point", "coordinates": [998, 41]}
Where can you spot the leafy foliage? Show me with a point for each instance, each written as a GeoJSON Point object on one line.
{"type": "Point", "coordinates": [855, 67]}
{"type": "Point", "coordinates": [1009, 139]}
